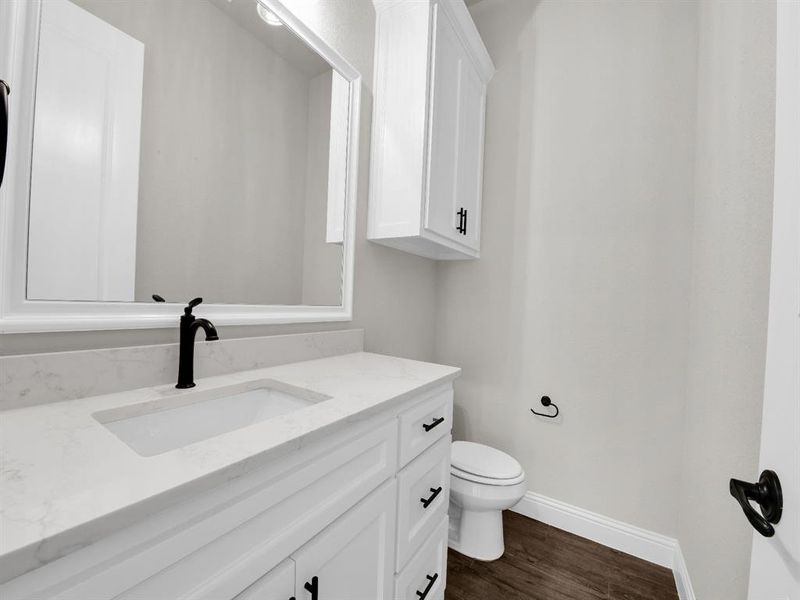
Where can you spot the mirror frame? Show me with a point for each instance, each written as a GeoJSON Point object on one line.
{"type": "Point", "coordinates": [19, 41]}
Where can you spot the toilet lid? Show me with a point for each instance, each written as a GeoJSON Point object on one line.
{"type": "Point", "coordinates": [458, 474]}
{"type": "Point", "coordinates": [484, 461]}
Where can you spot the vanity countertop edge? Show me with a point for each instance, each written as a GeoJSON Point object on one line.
{"type": "Point", "coordinates": [67, 481]}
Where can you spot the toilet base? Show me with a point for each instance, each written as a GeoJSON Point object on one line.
{"type": "Point", "coordinates": [477, 534]}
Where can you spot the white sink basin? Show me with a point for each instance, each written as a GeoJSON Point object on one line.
{"type": "Point", "coordinates": [182, 418]}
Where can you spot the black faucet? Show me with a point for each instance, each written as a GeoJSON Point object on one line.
{"type": "Point", "coordinates": [189, 326]}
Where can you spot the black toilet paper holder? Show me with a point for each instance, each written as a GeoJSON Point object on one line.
{"type": "Point", "coordinates": [546, 402]}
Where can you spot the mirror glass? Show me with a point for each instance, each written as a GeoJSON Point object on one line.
{"type": "Point", "coordinates": [184, 148]}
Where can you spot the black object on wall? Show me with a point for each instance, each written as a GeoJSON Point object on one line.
{"type": "Point", "coordinates": [5, 91]}
{"type": "Point", "coordinates": [546, 402]}
{"type": "Point", "coordinates": [767, 493]}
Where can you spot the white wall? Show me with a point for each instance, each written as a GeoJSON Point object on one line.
{"type": "Point", "coordinates": [322, 262]}
{"type": "Point", "coordinates": [581, 292]}
{"type": "Point", "coordinates": [394, 292]}
{"type": "Point", "coordinates": [730, 289]}
{"type": "Point", "coordinates": [223, 162]}
{"type": "Point", "coordinates": [625, 263]}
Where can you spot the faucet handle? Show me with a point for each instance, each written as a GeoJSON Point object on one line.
{"type": "Point", "coordinates": [192, 304]}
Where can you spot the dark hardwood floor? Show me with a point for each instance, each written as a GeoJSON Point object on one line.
{"type": "Point", "coordinates": [544, 563]}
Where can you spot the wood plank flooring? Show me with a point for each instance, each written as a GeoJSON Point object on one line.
{"type": "Point", "coordinates": [545, 563]}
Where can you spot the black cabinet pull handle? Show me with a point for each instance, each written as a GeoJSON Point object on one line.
{"type": "Point", "coordinates": [429, 426]}
{"type": "Point", "coordinates": [462, 221]}
{"type": "Point", "coordinates": [431, 580]}
{"type": "Point", "coordinates": [767, 494]}
{"type": "Point", "coordinates": [427, 501]}
{"type": "Point", "coordinates": [313, 587]}
{"type": "Point", "coordinates": [5, 91]}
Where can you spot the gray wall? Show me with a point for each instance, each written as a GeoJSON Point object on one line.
{"type": "Point", "coordinates": [581, 292]}
{"type": "Point", "coordinates": [322, 262]}
{"type": "Point", "coordinates": [730, 288]}
{"type": "Point", "coordinates": [394, 292]}
{"type": "Point", "coordinates": [625, 262]}
{"type": "Point", "coordinates": [223, 161]}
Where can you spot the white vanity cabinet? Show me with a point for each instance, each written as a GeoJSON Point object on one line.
{"type": "Point", "coordinates": [431, 71]}
{"type": "Point", "coordinates": [347, 515]}
{"type": "Point", "coordinates": [351, 558]}
{"type": "Point", "coordinates": [278, 584]}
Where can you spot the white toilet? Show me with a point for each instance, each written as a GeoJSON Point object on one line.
{"type": "Point", "coordinates": [483, 483]}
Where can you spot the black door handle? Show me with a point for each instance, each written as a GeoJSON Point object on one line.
{"type": "Point", "coordinates": [429, 426]}
{"type": "Point", "coordinates": [313, 587]}
{"type": "Point", "coordinates": [431, 580]}
{"type": "Point", "coordinates": [766, 492]}
{"type": "Point", "coordinates": [5, 90]}
{"type": "Point", "coordinates": [427, 501]}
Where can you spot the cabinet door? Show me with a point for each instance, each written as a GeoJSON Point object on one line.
{"type": "Point", "coordinates": [353, 558]}
{"type": "Point", "coordinates": [469, 176]}
{"type": "Point", "coordinates": [455, 138]}
{"type": "Point", "coordinates": [278, 584]}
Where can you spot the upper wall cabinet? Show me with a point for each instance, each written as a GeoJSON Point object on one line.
{"type": "Point", "coordinates": [431, 72]}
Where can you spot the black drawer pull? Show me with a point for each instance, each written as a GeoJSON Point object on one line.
{"type": "Point", "coordinates": [313, 587]}
{"type": "Point", "coordinates": [427, 501]}
{"type": "Point", "coordinates": [429, 426]}
{"type": "Point", "coordinates": [431, 580]}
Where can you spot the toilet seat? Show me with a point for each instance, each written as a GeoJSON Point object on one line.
{"type": "Point", "coordinates": [485, 480]}
{"type": "Point", "coordinates": [483, 464]}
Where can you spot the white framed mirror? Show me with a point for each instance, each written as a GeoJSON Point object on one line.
{"type": "Point", "coordinates": [165, 150]}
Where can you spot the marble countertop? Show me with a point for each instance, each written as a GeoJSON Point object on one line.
{"type": "Point", "coordinates": [68, 481]}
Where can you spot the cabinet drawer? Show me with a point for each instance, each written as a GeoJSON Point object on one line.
{"type": "Point", "coordinates": [427, 570]}
{"type": "Point", "coordinates": [278, 584]}
{"type": "Point", "coordinates": [423, 489]}
{"type": "Point", "coordinates": [424, 424]}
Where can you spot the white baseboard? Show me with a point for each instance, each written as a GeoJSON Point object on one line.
{"type": "Point", "coordinates": [644, 544]}
{"type": "Point", "coordinates": [682, 581]}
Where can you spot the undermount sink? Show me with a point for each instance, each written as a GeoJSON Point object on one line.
{"type": "Point", "coordinates": [182, 418]}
